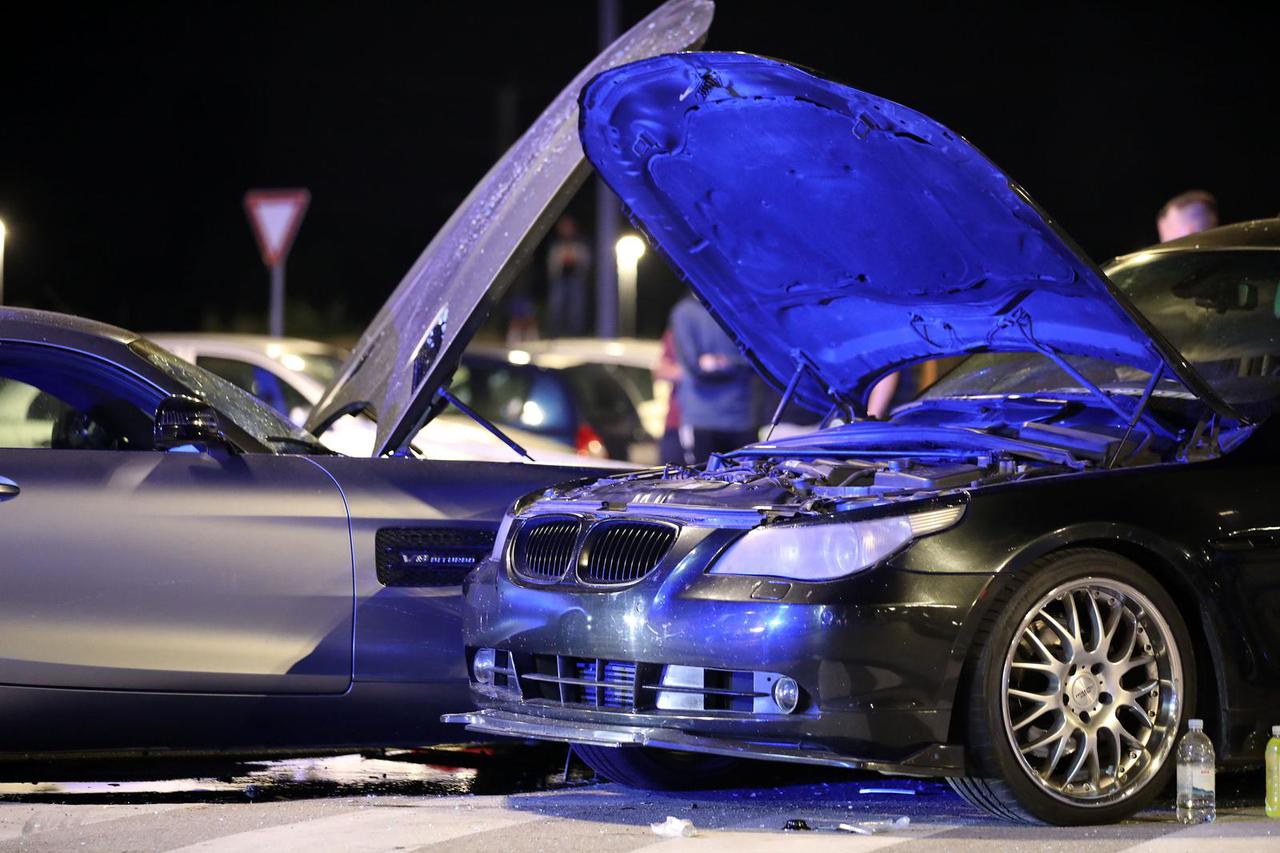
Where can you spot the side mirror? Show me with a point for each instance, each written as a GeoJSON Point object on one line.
{"type": "Point", "coordinates": [183, 421]}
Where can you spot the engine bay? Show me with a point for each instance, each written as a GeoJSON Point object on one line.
{"type": "Point", "coordinates": [871, 463]}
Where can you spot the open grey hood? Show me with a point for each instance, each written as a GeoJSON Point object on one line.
{"type": "Point", "coordinates": [413, 345]}
{"type": "Point", "coordinates": [828, 227]}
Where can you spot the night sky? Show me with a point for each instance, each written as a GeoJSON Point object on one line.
{"type": "Point", "coordinates": [128, 134]}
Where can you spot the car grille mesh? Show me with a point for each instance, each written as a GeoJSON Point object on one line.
{"type": "Point", "coordinates": [544, 550]}
{"type": "Point", "coordinates": [620, 553]}
{"type": "Point", "coordinates": [633, 687]}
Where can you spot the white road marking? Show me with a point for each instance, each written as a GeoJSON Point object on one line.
{"type": "Point", "coordinates": [25, 820]}
{"type": "Point", "coordinates": [371, 829]}
{"type": "Point", "coordinates": [1221, 836]}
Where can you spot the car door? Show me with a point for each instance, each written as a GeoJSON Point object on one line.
{"type": "Point", "coordinates": [134, 569]}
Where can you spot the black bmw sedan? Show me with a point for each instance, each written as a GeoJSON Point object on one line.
{"type": "Point", "coordinates": [1027, 581]}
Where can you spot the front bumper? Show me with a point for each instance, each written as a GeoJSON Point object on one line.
{"type": "Point", "coordinates": [877, 656]}
{"type": "Point", "coordinates": [935, 760]}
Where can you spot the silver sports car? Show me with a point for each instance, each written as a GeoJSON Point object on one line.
{"type": "Point", "coordinates": [185, 570]}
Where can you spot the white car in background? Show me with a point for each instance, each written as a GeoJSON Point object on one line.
{"type": "Point", "coordinates": [289, 374]}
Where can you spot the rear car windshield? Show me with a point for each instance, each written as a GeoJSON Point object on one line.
{"type": "Point", "coordinates": [1220, 309]}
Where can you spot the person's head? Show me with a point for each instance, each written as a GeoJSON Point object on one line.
{"type": "Point", "coordinates": [566, 228]}
{"type": "Point", "coordinates": [1192, 211]}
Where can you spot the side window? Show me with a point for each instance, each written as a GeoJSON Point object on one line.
{"type": "Point", "coordinates": [55, 399]}
{"type": "Point", "coordinates": [28, 415]}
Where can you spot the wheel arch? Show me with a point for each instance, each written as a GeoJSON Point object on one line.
{"type": "Point", "coordinates": [1175, 568]}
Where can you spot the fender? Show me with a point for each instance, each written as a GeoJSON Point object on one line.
{"type": "Point", "coordinates": [1182, 572]}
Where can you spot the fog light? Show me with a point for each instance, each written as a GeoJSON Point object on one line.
{"type": "Point", "coordinates": [483, 665]}
{"type": "Point", "coordinates": [786, 694]}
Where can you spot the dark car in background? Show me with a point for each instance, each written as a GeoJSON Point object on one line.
{"type": "Point", "coordinates": [592, 406]}
{"type": "Point", "coordinates": [1027, 581]}
{"type": "Point", "coordinates": [185, 570]}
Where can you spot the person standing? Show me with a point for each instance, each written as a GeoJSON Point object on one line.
{"type": "Point", "coordinates": [667, 369]}
{"type": "Point", "coordinates": [716, 390]}
{"type": "Point", "coordinates": [568, 262]}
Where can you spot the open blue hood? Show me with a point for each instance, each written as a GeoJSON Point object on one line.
{"type": "Point", "coordinates": [827, 226]}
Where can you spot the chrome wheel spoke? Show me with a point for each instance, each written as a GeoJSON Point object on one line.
{"type": "Point", "coordinates": [1031, 716]}
{"type": "Point", "coordinates": [1073, 617]}
{"type": "Point", "coordinates": [1061, 630]}
{"type": "Point", "coordinates": [1134, 663]}
{"type": "Point", "coordinates": [1113, 625]}
{"type": "Point", "coordinates": [1145, 689]}
{"type": "Point", "coordinates": [1095, 621]}
{"type": "Point", "coordinates": [1055, 757]}
{"type": "Point", "coordinates": [1084, 749]}
{"type": "Point", "coordinates": [1037, 667]}
{"type": "Point", "coordinates": [1133, 638]}
{"type": "Point", "coordinates": [1060, 733]}
{"type": "Point", "coordinates": [1040, 698]}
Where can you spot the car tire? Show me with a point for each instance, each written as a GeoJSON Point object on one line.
{"type": "Point", "coordinates": [1082, 677]}
{"type": "Point", "coordinates": [658, 769]}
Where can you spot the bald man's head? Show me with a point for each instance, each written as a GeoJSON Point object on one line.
{"type": "Point", "coordinates": [1187, 213]}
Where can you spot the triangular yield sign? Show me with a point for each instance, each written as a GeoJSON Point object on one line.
{"type": "Point", "coordinates": [275, 216]}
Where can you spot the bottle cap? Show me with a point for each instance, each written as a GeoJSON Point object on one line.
{"type": "Point", "coordinates": [1275, 731]}
{"type": "Point", "coordinates": [1195, 725]}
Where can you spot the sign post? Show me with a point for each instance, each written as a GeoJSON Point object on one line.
{"type": "Point", "coordinates": [275, 216]}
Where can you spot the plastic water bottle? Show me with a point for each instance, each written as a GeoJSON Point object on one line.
{"type": "Point", "coordinates": [1273, 773]}
{"type": "Point", "coordinates": [1195, 776]}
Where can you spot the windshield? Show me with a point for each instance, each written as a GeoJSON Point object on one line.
{"type": "Point", "coordinates": [247, 412]}
{"type": "Point", "coordinates": [1220, 309]}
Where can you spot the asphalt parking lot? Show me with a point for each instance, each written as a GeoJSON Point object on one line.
{"type": "Point", "coordinates": [521, 802]}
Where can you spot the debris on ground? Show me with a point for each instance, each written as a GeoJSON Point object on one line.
{"type": "Point", "coordinates": [871, 827]}
{"type": "Point", "coordinates": [797, 824]}
{"type": "Point", "coordinates": [674, 827]}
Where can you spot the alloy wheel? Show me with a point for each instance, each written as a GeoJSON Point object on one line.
{"type": "Point", "coordinates": [1092, 685]}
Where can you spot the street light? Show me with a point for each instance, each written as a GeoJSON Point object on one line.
{"type": "Point", "coordinates": [628, 250]}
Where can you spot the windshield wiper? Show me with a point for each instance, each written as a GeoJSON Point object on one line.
{"type": "Point", "coordinates": [448, 397]}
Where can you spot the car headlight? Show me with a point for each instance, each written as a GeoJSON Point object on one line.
{"type": "Point", "coordinates": [822, 552]}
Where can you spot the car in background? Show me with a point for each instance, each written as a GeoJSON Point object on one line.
{"type": "Point", "coordinates": [185, 570]}
{"type": "Point", "coordinates": [290, 374]}
{"type": "Point", "coordinates": [579, 396]}
{"type": "Point", "coordinates": [1026, 581]}
{"type": "Point", "coordinates": [633, 360]}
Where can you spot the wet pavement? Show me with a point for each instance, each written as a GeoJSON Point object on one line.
{"type": "Point", "coordinates": [517, 799]}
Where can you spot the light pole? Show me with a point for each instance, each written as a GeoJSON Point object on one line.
{"type": "Point", "coordinates": [3, 234]}
{"type": "Point", "coordinates": [628, 250]}
{"type": "Point", "coordinates": [607, 307]}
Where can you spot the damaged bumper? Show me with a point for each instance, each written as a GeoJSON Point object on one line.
{"type": "Point", "coordinates": [934, 760]}
{"type": "Point", "coordinates": [690, 661]}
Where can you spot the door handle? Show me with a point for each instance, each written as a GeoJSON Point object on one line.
{"type": "Point", "coordinates": [8, 489]}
